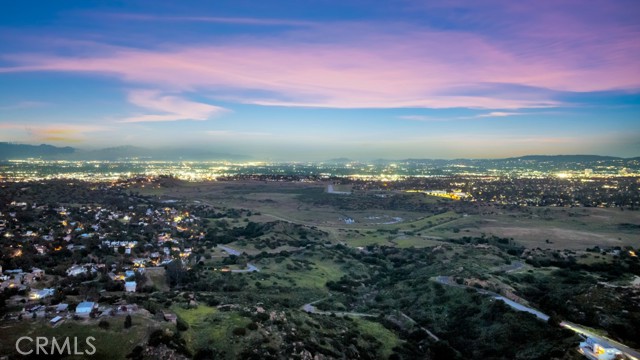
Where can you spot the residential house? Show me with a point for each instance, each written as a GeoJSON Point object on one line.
{"type": "Point", "coordinates": [85, 308]}
{"type": "Point", "coordinates": [598, 350]}
{"type": "Point", "coordinates": [39, 273]}
{"type": "Point", "coordinates": [41, 294]}
{"type": "Point", "coordinates": [76, 270]}
{"type": "Point", "coordinates": [55, 320]}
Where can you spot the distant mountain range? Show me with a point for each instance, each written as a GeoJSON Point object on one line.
{"type": "Point", "coordinates": [21, 151]}
{"type": "Point", "coordinates": [569, 158]}
{"type": "Point", "coordinates": [532, 158]}
{"type": "Point", "coordinates": [10, 151]}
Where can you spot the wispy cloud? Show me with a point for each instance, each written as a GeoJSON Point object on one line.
{"type": "Point", "coordinates": [498, 114]}
{"type": "Point", "coordinates": [232, 133]}
{"type": "Point", "coordinates": [365, 65]}
{"type": "Point", "coordinates": [65, 133]}
{"type": "Point", "coordinates": [24, 105]}
{"type": "Point", "coordinates": [169, 108]}
{"type": "Point", "coordinates": [424, 118]}
{"type": "Point", "coordinates": [493, 114]}
{"type": "Point", "coordinates": [209, 19]}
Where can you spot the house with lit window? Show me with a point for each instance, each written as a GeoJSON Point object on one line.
{"type": "Point", "coordinates": [598, 350]}
{"type": "Point", "coordinates": [40, 294]}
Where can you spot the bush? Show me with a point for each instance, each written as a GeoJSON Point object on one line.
{"type": "Point", "coordinates": [182, 325]}
{"type": "Point", "coordinates": [103, 324]}
{"type": "Point", "coordinates": [239, 331]}
{"type": "Point", "coordinates": [127, 322]}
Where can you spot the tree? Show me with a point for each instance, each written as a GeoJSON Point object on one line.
{"type": "Point", "coordinates": [175, 273]}
{"type": "Point", "coordinates": [127, 322]}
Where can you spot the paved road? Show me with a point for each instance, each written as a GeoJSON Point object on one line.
{"type": "Point", "coordinates": [309, 308]}
{"type": "Point", "coordinates": [231, 251]}
{"type": "Point", "coordinates": [520, 307]}
{"type": "Point", "coordinates": [250, 268]}
{"type": "Point", "coordinates": [433, 336]}
{"type": "Point", "coordinates": [631, 353]}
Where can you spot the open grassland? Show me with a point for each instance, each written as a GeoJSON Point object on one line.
{"type": "Point", "coordinates": [388, 339]}
{"type": "Point", "coordinates": [312, 273]}
{"type": "Point", "coordinates": [309, 204]}
{"type": "Point", "coordinates": [209, 327]}
{"type": "Point", "coordinates": [554, 228]}
{"type": "Point", "coordinates": [112, 343]}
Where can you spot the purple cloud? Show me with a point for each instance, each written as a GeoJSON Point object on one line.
{"type": "Point", "coordinates": [361, 65]}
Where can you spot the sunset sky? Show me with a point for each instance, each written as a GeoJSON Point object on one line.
{"type": "Point", "coordinates": [294, 80]}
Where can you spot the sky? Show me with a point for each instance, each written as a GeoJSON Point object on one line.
{"type": "Point", "coordinates": [319, 79]}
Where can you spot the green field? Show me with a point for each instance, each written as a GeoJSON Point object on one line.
{"type": "Point", "coordinates": [105, 340]}
{"type": "Point", "coordinates": [309, 204]}
{"type": "Point", "coordinates": [209, 327]}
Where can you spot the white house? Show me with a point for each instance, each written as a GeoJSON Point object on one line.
{"type": "Point", "coordinates": [55, 320]}
{"type": "Point", "coordinates": [130, 286]}
{"type": "Point", "coordinates": [597, 350]}
{"type": "Point", "coordinates": [40, 294]}
{"type": "Point", "coordinates": [76, 270]}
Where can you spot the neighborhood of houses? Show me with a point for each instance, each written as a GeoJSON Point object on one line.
{"type": "Point", "coordinates": [34, 304]}
{"type": "Point", "coordinates": [80, 246]}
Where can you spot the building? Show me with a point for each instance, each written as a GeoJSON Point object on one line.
{"type": "Point", "coordinates": [76, 270]}
{"type": "Point", "coordinates": [173, 318]}
{"type": "Point", "coordinates": [40, 294]}
{"type": "Point", "coordinates": [85, 308]}
{"type": "Point", "coordinates": [130, 286]}
{"type": "Point", "coordinates": [598, 350]}
{"type": "Point", "coordinates": [39, 273]}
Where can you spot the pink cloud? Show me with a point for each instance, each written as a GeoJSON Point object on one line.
{"type": "Point", "coordinates": [171, 108]}
{"type": "Point", "coordinates": [492, 114]}
{"type": "Point", "coordinates": [365, 67]}
{"type": "Point", "coordinates": [498, 114]}
{"type": "Point", "coordinates": [58, 132]}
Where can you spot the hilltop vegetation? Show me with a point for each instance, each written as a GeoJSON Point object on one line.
{"type": "Point", "coordinates": [270, 271]}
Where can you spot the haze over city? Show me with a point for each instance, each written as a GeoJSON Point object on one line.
{"type": "Point", "coordinates": [315, 80]}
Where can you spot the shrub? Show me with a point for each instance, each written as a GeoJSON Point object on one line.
{"type": "Point", "coordinates": [239, 331]}
{"type": "Point", "coordinates": [182, 325]}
